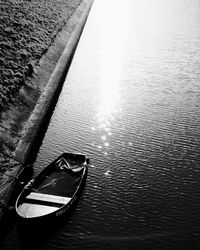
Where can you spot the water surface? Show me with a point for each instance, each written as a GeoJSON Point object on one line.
{"type": "Point", "coordinates": [131, 102]}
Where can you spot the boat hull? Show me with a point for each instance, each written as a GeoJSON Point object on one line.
{"type": "Point", "coordinates": [54, 192]}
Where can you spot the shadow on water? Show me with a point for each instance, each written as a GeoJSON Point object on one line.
{"type": "Point", "coordinates": [7, 224]}
{"type": "Point", "coordinates": [41, 133]}
{"type": "Point", "coordinates": [33, 236]}
{"type": "Point", "coordinates": [45, 123]}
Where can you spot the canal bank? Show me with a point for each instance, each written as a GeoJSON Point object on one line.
{"type": "Point", "coordinates": [23, 122]}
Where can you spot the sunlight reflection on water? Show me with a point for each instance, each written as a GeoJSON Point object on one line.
{"type": "Point", "coordinates": [109, 104]}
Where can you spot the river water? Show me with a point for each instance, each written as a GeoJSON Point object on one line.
{"type": "Point", "coordinates": [131, 102]}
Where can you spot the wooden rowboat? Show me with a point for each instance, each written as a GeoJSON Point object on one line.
{"type": "Point", "coordinates": [55, 190]}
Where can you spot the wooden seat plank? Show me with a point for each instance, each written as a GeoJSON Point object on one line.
{"type": "Point", "coordinates": [48, 198]}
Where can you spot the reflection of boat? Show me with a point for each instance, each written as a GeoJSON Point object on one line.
{"type": "Point", "coordinates": [55, 190]}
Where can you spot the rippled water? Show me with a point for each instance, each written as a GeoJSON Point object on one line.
{"type": "Point", "coordinates": [131, 102]}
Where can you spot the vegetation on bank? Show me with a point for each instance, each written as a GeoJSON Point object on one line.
{"type": "Point", "coordinates": [27, 29]}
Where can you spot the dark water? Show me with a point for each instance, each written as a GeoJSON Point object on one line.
{"type": "Point", "coordinates": [131, 102]}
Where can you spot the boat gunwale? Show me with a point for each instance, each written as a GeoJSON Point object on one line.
{"type": "Point", "coordinates": [26, 190]}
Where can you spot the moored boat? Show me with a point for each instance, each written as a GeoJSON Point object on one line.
{"type": "Point", "coordinates": [54, 191]}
